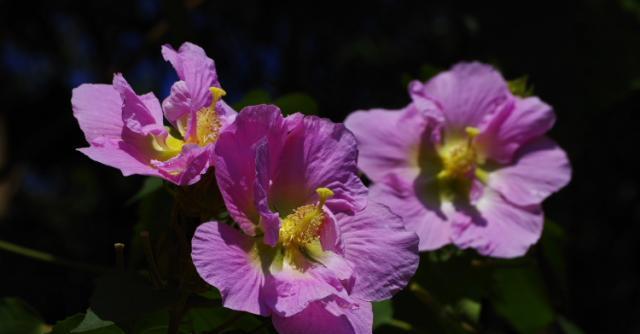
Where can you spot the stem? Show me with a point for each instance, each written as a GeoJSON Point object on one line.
{"type": "Point", "coordinates": [50, 258]}
{"type": "Point", "coordinates": [119, 248]}
{"type": "Point", "coordinates": [151, 261]}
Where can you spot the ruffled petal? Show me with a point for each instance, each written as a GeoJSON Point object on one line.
{"type": "Point", "coordinates": [197, 71]}
{"type": "Point", "coordinates": [467, 94]}
{"type": "Point", "coordinates": [384, 254]}
{"type": "Point", "coordinates": [421, 214]}
{"type": "Point", "coordinates": [137, 117]}
{"type": "Point", "coordinates": [514, 126]}
{"type": "Point", "coordinates": [98, 109]}
{"type": "Point", "coordinates": [236, 160]}
{"type": "Point", "coordinates": [495, 227]}
{"type": "Point", "coordinates": [388, 141]}
{"type": "Point", "coordinates": [224, 258]}
{"type": "Point", "coordinates": [540, 169]}
{"type": "Point", "coordinates": [328, 316]}
{"type": "Point", "coordinates": [318, 153]}
{"type": "Point", "coordinates": [187, 167]}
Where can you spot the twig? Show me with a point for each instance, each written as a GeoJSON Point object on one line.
{"type": "Point", "coordinates": [50, 258]}
{"type": "Point", "coordinates": [119, 248]}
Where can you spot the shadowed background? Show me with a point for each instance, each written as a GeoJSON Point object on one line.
{"type": "Point", "coordinates": [583, 58]}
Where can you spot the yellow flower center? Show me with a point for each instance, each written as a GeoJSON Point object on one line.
{"type": "Point", "coordinates": [459, 157]}
{"type": "Point", "coordinates": [302, 227]}
{"type": "Point", "coordinates": [208, 123]}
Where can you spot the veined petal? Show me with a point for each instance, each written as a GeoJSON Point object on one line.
{"type": "Point", "coordinates": [224, 258]}
{"type": "Point", "coordinates": [120, 155]}
{"type": "Point", "coordinates": [388, 141]}
{"type": "Point", "coordinates": [540, 169]}
{"type": "Point", "coordinates": [495, 227]}
{"type": "Point", "coordinates": [384, 254]}
{"type": "Point", "coordinates": [467, 94]}
{"type": "Point", "coordinates": [328, 316]}
{"type": "Point", "coordinates": [236, 160]}
{"type": "Point", "coordinates": [423, 215]}
{"type": "Point", "coordinates": [98, 109]}
{"type": "Point", "coordinates": [187, 167]}
{"type": "Point", "coordinates": [514, 126]}
{"type": "Point", "coordinates": [318, 153]}
{"type": "Point", "coordinates": [136, 115]}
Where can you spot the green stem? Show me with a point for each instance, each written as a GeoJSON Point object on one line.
{"type": "Point", "coordinates": [50, 258]}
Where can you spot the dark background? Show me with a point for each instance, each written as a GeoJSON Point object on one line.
{"type": "Point", "coordinates": [582, 57]}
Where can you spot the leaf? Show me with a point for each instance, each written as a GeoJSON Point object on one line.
{"type": "Point", "coordinates": [382, 313]}
{"type": "Point", "coordinates": [568, 327]}
{"type": "Point", "coordinates": [520, 297]}
{"type": "Point", "coordinates": [150, 185]}
{"type": "Point", "coordinates": [520, 86]}
{"type": "Point", "coordinates": [253, 97]}
{"type": "Point", "coordinates": [16, 317]}
{"type": "Point", "coordinates": [297, 102]}
{"type": "Point", "coordinates": [92, 324]}
{"type": "Point", "coordinates": [123, 297]}
{"type": "Point", "coordinates": [553, 243]}
{"type": "Point", "coordinates": [65, 326]}
{"type": "Point", "coordinates": [203, 320]}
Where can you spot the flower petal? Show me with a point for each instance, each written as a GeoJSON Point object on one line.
{"type": "Point", "coordinates": [318, 153]}
{"type": "Point", "coordinates": [187, 167]}
{"type": "Point", "coordinates": [328, 316]}
{"type": "Point", "coordinates": [236, 159]}
{"type": "Point", "coordinates": [384, 254]}
{"type": "Point", "coordinates": [98, 109]}
{"type": "Point", "coordinates": [467, 94]}
{"type": "Point", "coordinates": [540, 169]}
{"type": "Point", "coordinates": [495, 227]}
{"type": "Point", "coordinates": [120, 155]}
{"type": "Point", "coordinates": [424, 216]}
{"type": "Point", "coordinates": [512, 127]}
{"type": "Point", "coordinates": [136, 114]}
{"type": "Point", "coordinates": [388, 141]}
{"type": "Point", "coordinates": [223, 258]}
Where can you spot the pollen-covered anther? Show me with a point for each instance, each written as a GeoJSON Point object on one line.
{"type": "Point", "coordinates": [208, 123]}
{"type": "Point", "coordinates": [459, 158]}
{"type": "Point", "coordinates": [303, 225]}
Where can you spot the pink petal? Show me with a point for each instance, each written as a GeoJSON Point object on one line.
{"type": "Point", "coordinates": [540, 169]}
{"type": "Point", "coordinates": [98, 109]}
{"type": "Point", "coordinates": [420, 213]}
{"type": "Point", "coordinates": [514, 126]}
{"type": "Point", "coordinates": [236, 160]}
{"type": "Point", "coordinates": [119, 155]}
{"type": "Point", "coordinates": [467, 94]}
{"type": "Point", "coordinates": [318, 153]}
{"type": "Point", "coordinates": [187, 167]}
{"type": "Point", "coordinates": [328, 316]}
{"type": "Point", "coordinates": [495, 227]}
{"type": "Point", "coordinates": [388, 141]}
{"type": "Point", "coordinates": [223, 257]}
{"type": "Point", "coordinates": [384, 254]}
{"type": "Point", "coordinates": [136, 115]}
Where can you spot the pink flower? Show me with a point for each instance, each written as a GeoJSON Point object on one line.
{"type": "Point", "coordinates": [126, 130]}
{"type": "Point", "coordinates": [309, 251]}
{"type": "Point", "coordinates": [466, 162]}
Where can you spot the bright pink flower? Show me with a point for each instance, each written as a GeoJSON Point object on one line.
{"type": "Point", "coordinates": [307, 251]}
{"type": "Point", "coordinates": [466, 162]}
{"type": "Point", "coordinates": [126, 131]}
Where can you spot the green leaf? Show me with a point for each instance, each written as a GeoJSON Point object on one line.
{"type": "Point", "coordinates": [203, 320]}
{"type": "Point", "coordinates": [568, 327]}
{"type": "Point", "coordinates": [253, 97]}
{"type": "Point", "coordinates": [297, 102]}
{"type": "Point", "coordinates": [123, 297]}
{"type": "Point", "coordinates": [16, 317]}
{"type": "Point", "coordinates": [520, 297]}
{"type": "Point", "coordinates": [382, 313]}
{"type": "Point", "coordinates": [521, 87]}
{"type": "Point", "coordinates": [92, 324]}
{"type": "Point", "coordinates": [65, 326]}
{"type": "Point", "coordinates": [552, 244]}
{"type": "Point", "coordinates": [150, 185]}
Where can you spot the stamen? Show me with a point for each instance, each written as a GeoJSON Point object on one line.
{"type": "Point", "coordinates": [303, 225]}
{"type": "Point", "coordinates": [208, 123]}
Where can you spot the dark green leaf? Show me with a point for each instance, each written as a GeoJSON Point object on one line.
{"type": "Point", "coordinates": [16, 317]}
{"type": "Point", "coordinates": [92, 324]}
{"type": "Point", "coordinates": [568, 327]}
{"type": "Point", "coordinates": [520, 297]}
{"type": "Point", "coordinates": [253, 97]}
{"type": "Point", "coordinates": [150, 185]}
{"type": "Point", "coordinates": [521, 87]}
{"type": "Point", "coordinates": [297, 102]}
{"type": "Point", "coordinates": [67, 325]}
{"type": "Point", "coordinates": [382, 313]}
